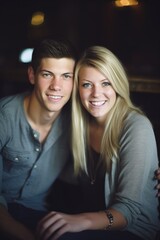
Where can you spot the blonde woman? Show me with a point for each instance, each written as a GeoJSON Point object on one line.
{"type": "Point", "coordinates": [115, 155]}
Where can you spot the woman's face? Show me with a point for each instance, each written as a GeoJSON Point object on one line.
{"type": "Point", "coordinates": [96, 93]}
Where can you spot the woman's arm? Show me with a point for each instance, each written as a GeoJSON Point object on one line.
{"type": "Point", "coordinates": [133, 189]}
{"type": "Point", "coordinates": [55, 224]}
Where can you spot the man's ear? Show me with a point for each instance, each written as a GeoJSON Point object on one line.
{"type": "Point", "coordinates": [31, 75]}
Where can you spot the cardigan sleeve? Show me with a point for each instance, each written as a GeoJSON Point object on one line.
{"type": "Point", "coordinates": [130, 186]}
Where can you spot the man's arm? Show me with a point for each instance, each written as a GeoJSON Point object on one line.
{"type": "Point", "coordinates": [12, 229]}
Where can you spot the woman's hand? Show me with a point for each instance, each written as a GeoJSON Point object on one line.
{"type": "Point", "coordinates": [157, 176]}
{"type": "Point", "coordinates": [55, 224]}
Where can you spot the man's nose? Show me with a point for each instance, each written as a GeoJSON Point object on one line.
{"type": "Point", "coordinates": [55, 84]}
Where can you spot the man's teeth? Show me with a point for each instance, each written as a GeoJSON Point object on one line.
{"type": "Point", "coordinates": [99, 103]}
{"type": "Point", "coordinates": [55, 97]}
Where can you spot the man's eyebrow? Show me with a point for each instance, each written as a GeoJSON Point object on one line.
{"type": "Point", "coordinates": [68, 73]}
{"type": "Point", "coordinates": [44, 70]}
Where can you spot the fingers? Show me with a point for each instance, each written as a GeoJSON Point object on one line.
{"type": "Point", "coordinates": [157, 174]}
{"type": "Point", "coordinates": [52, 226]}
{"type": "Point", "coordinates": [63, 229]}
{"type": "Point", "coordinates": [158, 188]}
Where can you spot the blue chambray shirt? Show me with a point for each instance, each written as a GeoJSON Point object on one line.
{"type": "Point", "coordinates": [27, 168]}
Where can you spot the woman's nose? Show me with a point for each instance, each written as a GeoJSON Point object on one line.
{"type": "Point", "coordinates": [96, 91]}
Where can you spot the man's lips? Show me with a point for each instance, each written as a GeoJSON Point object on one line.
{"type": "Point", "coordinates": [54, 97]}
{"type": "Point", "coordinates": [97, 103]}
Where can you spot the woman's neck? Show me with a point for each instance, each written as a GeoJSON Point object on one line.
{"type": "Point", "coordinates": [96, 135]}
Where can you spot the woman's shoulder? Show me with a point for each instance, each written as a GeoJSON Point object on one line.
{"type": "Point", "coordinates": [137, 119]}
{"type": "Point", "coordinates": [137, 126]}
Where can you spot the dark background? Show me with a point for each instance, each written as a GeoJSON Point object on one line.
{"type": "Point", "coordinates": [132, 33]}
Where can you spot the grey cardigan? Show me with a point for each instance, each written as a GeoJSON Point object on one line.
{"type": "Point", "coordinates": [130, 188]}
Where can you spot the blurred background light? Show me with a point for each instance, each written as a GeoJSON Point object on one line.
{"type": "Point", "coordinates": [37, 18]}
{"type": "Point", "coordinates": [26, 55]}
{"type": "Point", "coordinates": [125, 3]}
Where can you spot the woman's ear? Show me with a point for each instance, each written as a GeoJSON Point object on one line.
{"type": "Point", "coordinates": [31, 75]}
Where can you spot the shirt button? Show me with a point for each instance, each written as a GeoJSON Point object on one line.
{"type": "Point", "coordinates": [35, 166]}
{"type": "Point", "coordinates": [37, 149]}
{"type": "Point", "coordinates": [16, 159]}
{"type": "Point", "coordinates": [35, 135]}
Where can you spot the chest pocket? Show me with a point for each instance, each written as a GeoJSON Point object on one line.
{"type": "Point", "coordinates": [15, 162]}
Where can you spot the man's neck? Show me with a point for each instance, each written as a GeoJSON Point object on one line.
{"type": "Point", "coordinates": [39, 120]}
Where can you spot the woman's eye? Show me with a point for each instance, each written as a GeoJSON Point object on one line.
{"type": "Point", "coordinates": [105, 84]}
{"type": "Point", "coordinates": [86, 85]}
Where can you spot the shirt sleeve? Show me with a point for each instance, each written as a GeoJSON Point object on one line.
{"type": "Point", "coordinates": [3, 134]}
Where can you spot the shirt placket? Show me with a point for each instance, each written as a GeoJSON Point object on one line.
{"type": "Point", "coordinates": [29, 186]}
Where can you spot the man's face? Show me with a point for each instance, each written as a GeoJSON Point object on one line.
{"type": "Point", "coordinates": [53, 83]}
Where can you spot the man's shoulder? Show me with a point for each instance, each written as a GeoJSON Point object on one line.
{"type": "Point", "coordinates": [11, 101]}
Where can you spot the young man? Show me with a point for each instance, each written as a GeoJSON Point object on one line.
{"type": "Point", "coordinates": [34, 132]}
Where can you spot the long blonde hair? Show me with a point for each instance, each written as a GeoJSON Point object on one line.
{"type": "Point", "coordinates": [108, 64]}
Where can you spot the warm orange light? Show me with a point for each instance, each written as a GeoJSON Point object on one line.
{"type": "Point", "coordinates": [37, 18]}
{"type": "Point", "coordinates": [125, 3]}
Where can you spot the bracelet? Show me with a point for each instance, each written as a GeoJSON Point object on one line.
{"type": "Point", "coordinates": [110, 218]}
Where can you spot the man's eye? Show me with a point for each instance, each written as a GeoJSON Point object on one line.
{"type": "Point", "coordinates": [66, 76]}
{"type": "Point", "coordinates": [47, 75]}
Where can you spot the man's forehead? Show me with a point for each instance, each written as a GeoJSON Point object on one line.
{"type": "Point", "coordinates": [63, 59]}
{"type": "Point", "coordinates": [58, 62]}
{"type": "Point", "coordinates": [54, 65]}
